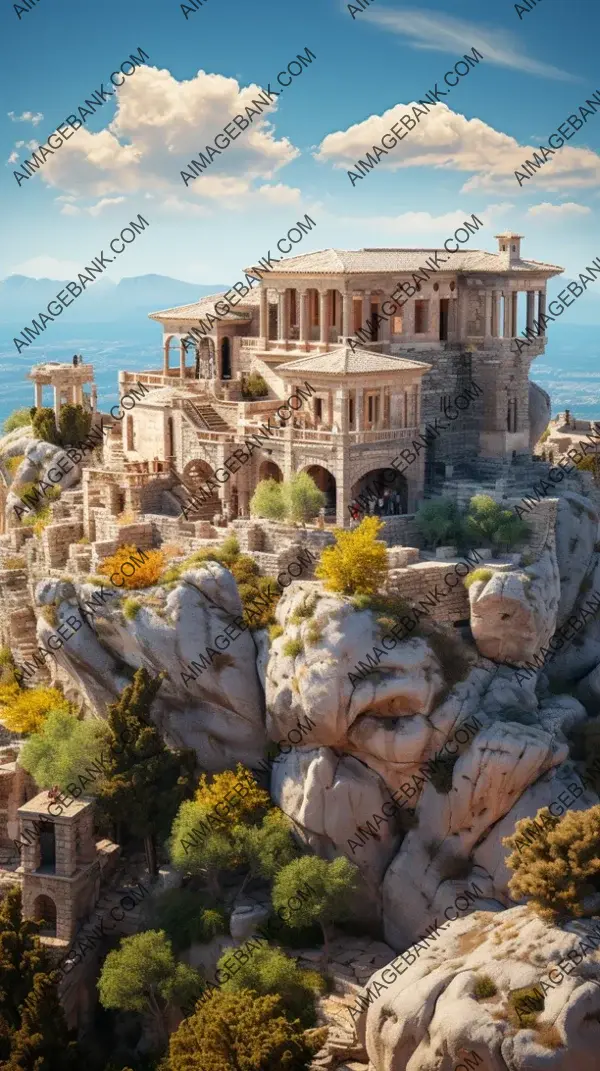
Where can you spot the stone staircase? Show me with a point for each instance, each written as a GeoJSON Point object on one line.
{"type": "Point", "coordinates": [205, 417]}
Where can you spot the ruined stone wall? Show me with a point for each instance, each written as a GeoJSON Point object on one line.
{"type": "Point", "coordinates": [450, 375]}
{"type": "Point", "coordinates": [56, 540]}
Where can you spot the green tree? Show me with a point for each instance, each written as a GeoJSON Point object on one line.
{"type": "Point", "coordinates": [202, 844]}
{"type": "Point", "coordinates": [302, 498]}
{"type": "Point", "coordinates": [63, 748]}
{"type": "Point", "coordinates": [488, 524]}
{"type": "Point", "coordinates": [556, 863]}
{"type": "Point", "coordinates": [242, 1031]}
{"type": "Point", "coordinates": [143, 976]}
{"type": "Point", "coordinates": [43, 1042]}
{"type": "Point", "coordinates": [357, 562]}
{"type": "Point", "coordinates": [439, 522]}
{"type": "Point", "coordinates": [19, 418]}
{"type": "Point", "coordinates": [254, 386]}
{"type": "Point", "coordinates": [267, 501]}
{"type": "Point", "coordinates": [145, 782]}
{"type": "Point", "coordinates": [270, 970]}
{"type": "Point", "coordinates": [267, 847]}
{"type": "Point", "coordinates": [187, 918]}
{"type": "Point", "coordinates": [74, 423]}
{"type": "Point", "coordinates": [21, 957]}
{"type": "Point", "coordinates": [44, 425]}
{"type": "Point", "coordinates": [331, 887]}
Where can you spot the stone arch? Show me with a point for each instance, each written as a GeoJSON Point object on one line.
{"type": "Point", "coordinates": [372, 486]}
{"type": "Point", "coordinates": [269, 470]}
{"type": "Point", "coordinates": [44, 911]}
{"type": "Point", "coordinates": [168, 339]}
{"type": "Point", "coordinates": [195, 475]}
{"type": "Point", "coordinates": [326, 482]}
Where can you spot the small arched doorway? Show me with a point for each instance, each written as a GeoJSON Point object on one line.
{"type": "Point", "coordinates": [383, 492]}
{"type": "Point", "coordinates": [225, 359]}
{"type": "Point", "coordinates": [270, 471]}
{"type": "Point", "coordinates": [195, 475]}
{"type": "Point", "coordinates": [44, 912]}
{"type": "Point", "coordinates": [325, 481]}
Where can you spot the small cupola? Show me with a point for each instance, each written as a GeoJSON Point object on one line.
{"type": "Point", "coordinates": [510, 243]}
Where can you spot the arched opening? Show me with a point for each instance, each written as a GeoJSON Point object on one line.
{"type": "Point", "coordinates": [383, 492]}
{"type": "Point", "coordinates": [44, 912]}
{"type": "Point", "coordinates": [195, 475]}
{"type": "Point", "coordinates": [225, 359]}
{"type": "Point", "coordinates": [325, 481]}
{"type": "Point", "coordinates": [270, 471]}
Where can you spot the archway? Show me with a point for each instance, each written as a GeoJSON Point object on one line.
{"type": "Point", "coordinates": [225, 359]}
{"type": "Point", "coordinates": [44, 912]}
{"type": "Point", "coordinates": [380, 491]}
{"type": "Point", "coordinates": [325, 481]}
{"type": "Point", "coordinates": [270, 471]}
{"type": "Point", "coordinates": [195, 475]}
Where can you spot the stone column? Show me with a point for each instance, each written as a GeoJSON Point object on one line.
{"type": "Point", "coordinates": [434, 319]}
{"type": "Point", "coordinates": [382, 421]}
{"type": "Point", "coordinates": [541, 311]}
{"type": "Point", "coordinates": [360, 409]}
{"type": "Point", "coordinates": [514, 313]}
{"type": "Point", "coordinates": [181, 359]}
{"type": "Point", "coordinates": [530, 308]}
{"type": "Point", "coordinates": [38, 394]}
{"type": "Point", "coordinates": [303, 318]}
{"type": "Point", "coordinates": [408, 321]}
{"type": "Point", "coordinates": [495, 321]}
{"type": "Point", "coordinates": [506, 331]}
{"type": "Point", "coordinates": [264, 317]}
{"type": "Point", "coordinates": [487, 316]}
{"type": "Point", "coordinates": [57, 394]}
{"type": "Point", "coordinates": [282, 331]}
{"type": "Point", "coordinates": [384, 325]}
{"type": "Point", "coordinates": [323, 317]}
{"type": "Point", "coordinates": [166, 345]}
{"type": "Point", "coordinates": [346, 315]}
{"type": "Point", "coordinates": [366, 310]}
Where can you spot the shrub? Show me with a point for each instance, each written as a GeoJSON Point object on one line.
{"type": "Point", "coordinates": [229, 549]}
{"type": "Point", "coordinates": [267, 501]}
{"type": "Point", "coordinates": [484, 987]}
{"type": "Point", "coordinates": [477, 574]}
{"type": "Point", "coordinates": [293, 648]}
{"type": "Point", "coordinates": [254, 386]}
{"type": "Point", "coordinates": [243, 569]}
{"type": "Point", "coordinates": [50, 615]}
{"type": "Point", "coordinates": [25, 710]}
{"type": "Point", "coordinates": [12, 463]}
{"type": "Point", "coordinates": [357, 563]}
{"type": "Point", "coordinates": [304, 611]}
{"type": "Point", "coordinates": [19, 418]}
{"type": "Point", "coordinates": [270, 970]}
{"type": "Point", "coordinates": [74, 423]}
{"type": "Point", "coordinates": [186, 919]}
{"type": "Point", "coordinates": [525, 1006]}
{"type": "Point", "coordinates": [44, 425]}
{"type": "Point", "coordinates": [213, 794]}
{"type": "Point", "coordinates": [556, 863]}
{"type": "Point", "coordinates": [17, 561]}
{"type": "Point", "coordinates": [127, 516]}
{"type": "Point", "coordinates": [146, 574]}
{"type": "Point", "coordinates": [131, 608]}
{"type": "Point", "coordinates": [62, 748]}
{"type": "Point", "coordinates": [259, 600]}
{"type": "Point", "coordinates": [545, 434]}
{"type": "Point", "coordinates": [439, 522]}
{"type": "Point", "coordinates": [275, 632]}
{"type": "Point", "coordinates": [489, 524]}
{"type": "Point", "coordinates": [314, 634]}
{"type": "Point", "coordinates": [302, 498]}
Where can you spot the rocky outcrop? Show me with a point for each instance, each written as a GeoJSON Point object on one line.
{"type": "Point", "coordinates": [462, 993]}
{"type": "Point", "coordinates": [539, 412]}
{"type": "Point", "coordinates": [39, 459]}
{"type": "Point", "coordinates": [210, 702]}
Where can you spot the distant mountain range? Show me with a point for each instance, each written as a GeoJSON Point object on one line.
{"type": "Point", "coordinates": [21, 298]}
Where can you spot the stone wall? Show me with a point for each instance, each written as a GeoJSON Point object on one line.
{"type": "Point", "coordinates": [56, 540]}
{"type": "Point", "coordinates": [401, 531]}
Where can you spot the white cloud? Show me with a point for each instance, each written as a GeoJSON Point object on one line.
{"type": "Point", "coordinates": [280, 194]}
{"type": "Point", "coordinates": [569, 208]}
{"type": "Point", "coordinates": [14, 156]}
{"type": "Point", "coordinates": [47, 268]}
{"type": "Point", "coordinates": [26, 117]}
{"type": "Point", "coordinates": [70, 209]}
{"type": "Point", "coordinates": [159, 126]}
{"type": "Point", "coordinates": [436, 32]}
{"type": "Point", "coordinates": [418, 226]}
{"type": "Point", "coordinates": [446, 139]}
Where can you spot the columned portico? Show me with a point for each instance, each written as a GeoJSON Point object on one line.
{"type": "Point", "coordinates": [541, 310]}
{"type": "Point", "coordinates": [530, 309]}
{"type": "Point", "coordinates": [324, 317]}
{"type": "Point", "coordinates": [303, 320]}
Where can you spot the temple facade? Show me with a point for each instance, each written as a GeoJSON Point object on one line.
{"type": "Point", "coordinates": [370, 399]}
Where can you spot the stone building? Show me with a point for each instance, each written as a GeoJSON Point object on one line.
{"type": "Point", "coordinates": [67, 382]}
{"type": "Point", "coordinates": [368, 402]}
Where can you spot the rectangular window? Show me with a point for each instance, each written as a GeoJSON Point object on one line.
{"type": "Point", "coordinates": [314, 308]}
{"type": "Point", "coordinates": [318, 409]}
{"type": "Point", "coordinates": [397, 325]}
{"type": "Point", "coordinates": [334, 306]}
{"type": "Point", "coordinates": [357, 311]}
{"type": "Point", "coordinates": [351, 412]}
{"type": "Point", "coordinates": [421, 317]}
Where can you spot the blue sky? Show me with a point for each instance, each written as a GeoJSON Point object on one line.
{"type": "Point", "coordinates": [536, 71]}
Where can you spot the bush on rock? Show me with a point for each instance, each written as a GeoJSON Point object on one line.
{"type": "Point", "coordinates": [357, 562]}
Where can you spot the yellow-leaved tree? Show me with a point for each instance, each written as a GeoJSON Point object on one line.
{"type": "Point", "coordinates": [357, 562]}
{"type": "Point", "coordinates": [247, 804]}
{"type": "Point", "coordinates": [24, 710]}
{"type": "Point", "coordinates": [145, 573]}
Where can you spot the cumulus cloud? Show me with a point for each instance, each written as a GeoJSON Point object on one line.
{"type": "Point", "coordinates": [159, 126]}
{"type": "Point", "coordinates": [14, 156]}
{"type": "Point", "coordinates": [417, 226]}
{"type": "Point", "coordinates": [434, 31]}
{"type": "Point", "coordinates": [70, 209]}
{"type": "Point", "coordinates": [280, 194]}
{"type": "Point", "coordinates": [569, 208]}
{"type": "Point", "coordinates": [446, 139]}
{"type": "Point", "coordinates": [26, 117]}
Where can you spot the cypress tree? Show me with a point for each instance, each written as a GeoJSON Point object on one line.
{"type": "Point", "coordinates": [43, 1042]}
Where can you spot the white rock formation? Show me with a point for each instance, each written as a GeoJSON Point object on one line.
{"type": "Point", "coordinates": [456, 997]}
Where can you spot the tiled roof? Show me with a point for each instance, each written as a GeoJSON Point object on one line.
{"type": "Point", "coordinates": [361, 261]}
{"type": "Point", "coordinates": [206, 304]}
{"type": "Point", "coordinates": [343, 360]}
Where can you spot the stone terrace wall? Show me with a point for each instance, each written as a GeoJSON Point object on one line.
{"type": "Point", "coordinates": [401, 531]}
{"type": "Point", "coordinates": [416, 582]}
{"type": "Point", "coordinates": [56, 541]}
